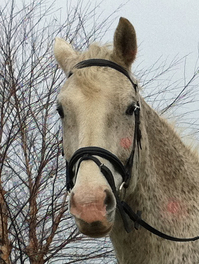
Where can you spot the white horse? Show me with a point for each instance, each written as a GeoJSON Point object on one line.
{"type": "Point", "coordinates": [103, 117]}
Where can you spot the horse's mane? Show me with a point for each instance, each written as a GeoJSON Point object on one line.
{"type": "Point", "coordinates": [97, 51]}
{"type": "Point", "coordinates": [87, 77]}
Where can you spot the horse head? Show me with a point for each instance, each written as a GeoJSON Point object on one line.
{"type": "Point", "coordinates": [96, 105]}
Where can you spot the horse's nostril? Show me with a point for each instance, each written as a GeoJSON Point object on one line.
{"type": "Point", "coordinates": [109, 201]}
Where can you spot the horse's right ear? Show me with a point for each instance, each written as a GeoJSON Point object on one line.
{"type": "Point", "coordinates": [125, 43]}
{"type": "Point", "coordinates": [64, 54]}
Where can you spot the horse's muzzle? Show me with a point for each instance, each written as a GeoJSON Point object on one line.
{"type": "Point", "coordinates": [95, 229]}
{"type": "Point", "coordinates": [94, 212]}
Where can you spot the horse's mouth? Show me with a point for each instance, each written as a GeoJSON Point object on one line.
{"type": "Point", "coordinates": [95, 229]}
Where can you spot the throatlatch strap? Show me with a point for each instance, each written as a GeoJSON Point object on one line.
{"type": "Point", "coordinates": [136, 141]}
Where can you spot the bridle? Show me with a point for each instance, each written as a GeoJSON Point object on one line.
{"type": "Point", "coordinates": [92, 152]}
{"type": "Point", "coordinates": [88, 152]}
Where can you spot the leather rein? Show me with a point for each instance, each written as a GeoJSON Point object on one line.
{"type": "Point", "coordinates": [90, 153]}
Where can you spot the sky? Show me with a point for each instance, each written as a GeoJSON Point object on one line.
{"type": "Point", "coordinates": [164, 28]}
{"type": "Point", "coordinates": [167, 32]}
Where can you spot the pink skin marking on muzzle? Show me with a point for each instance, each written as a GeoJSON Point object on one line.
{"type": "Point", "coordinates": [125, 142]}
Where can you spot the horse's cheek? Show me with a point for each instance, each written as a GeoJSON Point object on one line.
{"type": "Point", "coordinates": [126, 143]}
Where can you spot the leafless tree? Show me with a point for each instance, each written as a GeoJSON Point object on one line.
{"type": "Point", "coordinates": [35, 225]}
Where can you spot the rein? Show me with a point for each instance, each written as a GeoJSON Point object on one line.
{"type": "Point", "coordinates": [90, 153]}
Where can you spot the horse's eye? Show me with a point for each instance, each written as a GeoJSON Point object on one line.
{"type": "Point", "coordinates": [60, 111]}
{"type": "Point", "coordinates": [130, 110]}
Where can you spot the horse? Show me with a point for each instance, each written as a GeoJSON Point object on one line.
{"type": "Point", "coordinates": [108, 128]}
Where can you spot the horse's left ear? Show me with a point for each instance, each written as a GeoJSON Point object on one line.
{"type": "Point", "coordinates": [65, 55]}
{"type": "Point", "coordinates": [125, 43]}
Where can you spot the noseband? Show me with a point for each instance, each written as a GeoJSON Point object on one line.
{"type": "Point", "coordinates": [90, 153]}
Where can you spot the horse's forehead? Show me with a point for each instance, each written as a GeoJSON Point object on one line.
{"type": "Point", "coordinates": [82, 104]}
{"type": "Point", "coordinates": [77, 93]}
{"type": "Point", "coordinates": [97, 87]}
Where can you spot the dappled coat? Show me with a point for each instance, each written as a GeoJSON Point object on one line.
{"type": "Point", "coordinates": [165, 174]}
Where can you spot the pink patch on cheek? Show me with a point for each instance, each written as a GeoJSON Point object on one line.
{"type": "Point", "coordinates": [173, 207]}
{"type": "Point", "coordinates": [126, 142]}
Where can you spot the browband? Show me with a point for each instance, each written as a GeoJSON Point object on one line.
{"type": "Point", "coordinates": [104, 63]}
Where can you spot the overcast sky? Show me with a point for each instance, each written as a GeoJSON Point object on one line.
{"type": "Point", "coordinates": [165, 29]}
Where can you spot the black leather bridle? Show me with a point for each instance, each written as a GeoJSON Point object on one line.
{"type": "Point", "coordinates": [92, 152]}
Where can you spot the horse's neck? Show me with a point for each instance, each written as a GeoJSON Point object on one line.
{"type": "Point", "coordinates": [165, 172]}
{"type": "Point", "coordinates": [162, 147]}
{"type": "Point", "coordinates": [164, 158]}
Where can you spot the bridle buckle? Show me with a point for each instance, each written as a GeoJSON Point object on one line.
{"type": "Point", "coordinates": [122, 186]}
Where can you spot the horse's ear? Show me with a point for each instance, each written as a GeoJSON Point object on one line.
{"type": "Point", "coordinates": [125, 43]}
{"type": "Point", "coordinates": [64, 54]}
